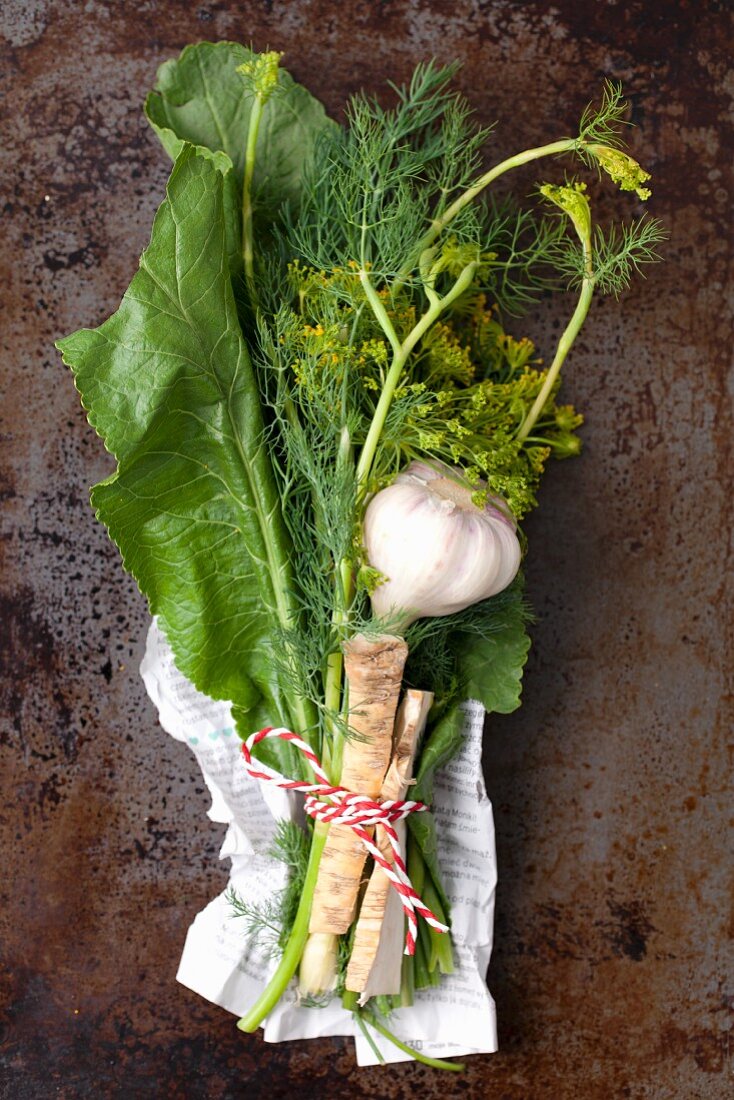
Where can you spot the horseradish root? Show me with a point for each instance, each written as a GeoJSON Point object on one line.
{"type": "Point", "coordinates": [374, 673]}
{"type": "Point", "coordinates": [375, 962]}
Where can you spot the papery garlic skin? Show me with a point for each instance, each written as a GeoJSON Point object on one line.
{"type": "Point", "coordinates": [439, 551]}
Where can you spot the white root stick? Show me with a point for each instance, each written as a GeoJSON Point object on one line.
{"type": "Point", "coordinates": [376, 958]}
{"type": "Point", "coordinates": [374, 672]}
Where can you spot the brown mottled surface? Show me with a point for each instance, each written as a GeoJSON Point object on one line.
{"type": "Point", "coordinates": [609, 784]}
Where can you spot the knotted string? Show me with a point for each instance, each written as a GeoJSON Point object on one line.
{"type": "Point", "coordinates": [338, 806]}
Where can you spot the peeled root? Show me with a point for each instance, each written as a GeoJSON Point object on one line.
{"type": "Point", "coordinates": [376, 958]}
{"type": "Point", "coordinates": [374, 673]}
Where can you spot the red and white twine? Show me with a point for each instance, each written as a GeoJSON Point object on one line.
{"type": "Point", "coordinates": [338, 806]}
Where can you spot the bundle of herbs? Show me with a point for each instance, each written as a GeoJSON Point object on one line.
{"type": "Point", "coordinates": [325, 441]}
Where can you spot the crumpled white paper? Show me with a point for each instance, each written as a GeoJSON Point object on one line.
{"type": "Point", "coordinates": [220, 964]}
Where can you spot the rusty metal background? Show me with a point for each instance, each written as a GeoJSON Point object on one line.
{"type": "Point", "coordinates": [609, 786]}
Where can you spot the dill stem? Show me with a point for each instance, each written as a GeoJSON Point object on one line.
{"type": "Point", "coordinates": [435, 1063]}
{"type": "Point", "coordinates": [406, 996]}
{"type": "Point", "coordinates": [296, 941]}
{"type": "Point", "coordinates": [565, 145]}
{"type": "Point", "coordinates": [247, 234]}
{"type": "Point", "coordinates": [333, 750]}
{"type": "Point", "coordinates": [331, 757]}
{"type": "Point", "coordinates": [401, 353]}
{"type": "Point", "coordinates": [343, 593]}
{"type": "Point", "coordinates": [441, 951]}
{"type": "Point", "coordinates": [363, 1028]}
{"type": "Point", "coordinates": [568, 336]}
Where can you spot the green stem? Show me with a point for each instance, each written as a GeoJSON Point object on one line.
{"type": "Point", "coordinates": [435, 1063]}
{"type": "Point", "coordinates": [363, 1028]}
{"type": "Point", "coordinates": [304, 712]}
{"type": "Point", "coordinates": [343, 592]}
{"type": "Point", "coordinates": [541, 440]}
{"type": "Point", "coordinates": [294, 948]}
{"type": "Point", "coordinates": [424, 938]}
{"type": "Point", "coordinates": [332, 703]}
{"type": "Point", "coordinates": [416, 866]}
{"type": "Point", "coordinates": [422, 978]}
{"type": "Point", "coordinates": [441, 955]}
{"type": "Point", "coordinates": [276, 546]}
{"type": "Point", "coordinates": [565, 145]}
{"type": "Point", "coordinates": [568, 336]}
{"type": "Point", "coordinates": [334, 749]}
{"type": "Point", "coordinates": [401, 353]}
{"type": "Point", "coordinates": [247, 234]}
{"type": "Point", "coordinates": [407, 982]}
{"type": "Point", "coordinates": [379, 311]}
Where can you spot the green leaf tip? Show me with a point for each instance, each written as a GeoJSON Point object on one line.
{"type": "Point", "coordinates": [622, 169]}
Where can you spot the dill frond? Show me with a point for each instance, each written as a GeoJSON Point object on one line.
{"type": "Point", "coordinates": [375, 188]}
{"type": "Point", "coordinates": [269, 923]}
{"type": "Point", "coordinates": [262, 922]}
{"type": "Point", "coordinates": [603, 125]}
{"type": "Point", "coordinates": [621, 251]}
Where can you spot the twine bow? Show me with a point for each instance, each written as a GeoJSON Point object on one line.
{"type": "Point", "coordinates": [338, 806]}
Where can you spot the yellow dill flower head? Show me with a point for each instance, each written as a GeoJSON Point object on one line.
{"type": "Point", "coordinates": [261, 72]}
{"type": "Point", "coordinates": [572, 200]}
{"type": "Point", "coordinates": [567, 418]}
{"type": "Point", "coordinates": [622, 169]}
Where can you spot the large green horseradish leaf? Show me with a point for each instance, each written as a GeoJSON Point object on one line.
{"type": "Point", "coordinates": [168, 384]}
{"type": "Point", "coordinates": [491, 666]}
{"type": "Point", "coordinates": [201, 98]}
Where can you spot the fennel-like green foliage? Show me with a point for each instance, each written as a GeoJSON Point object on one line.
{"type": "Point", "coordinates": [269, 923]}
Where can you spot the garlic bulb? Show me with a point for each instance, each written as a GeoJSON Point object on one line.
{"type": "Point", "coordinates": [439, 551]}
